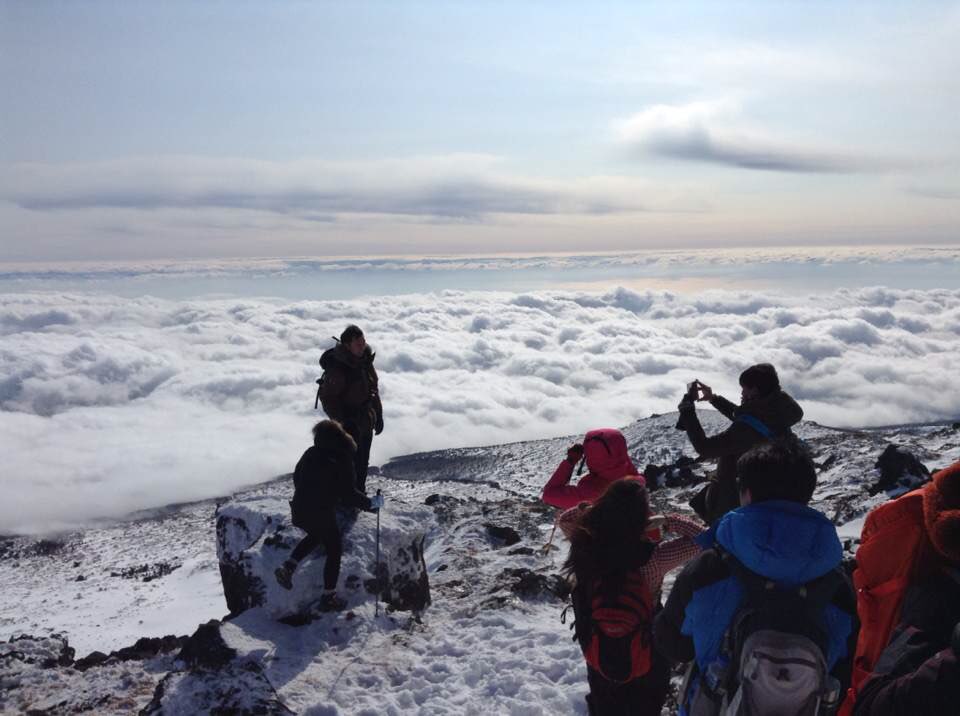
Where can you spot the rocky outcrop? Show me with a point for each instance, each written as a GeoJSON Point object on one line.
{"type": "Point", "coordinates": [900, 471]}
{"type": "Point", "coordinates": [214, 680]}
{"type": "Point", "coordinates": [254, 537]}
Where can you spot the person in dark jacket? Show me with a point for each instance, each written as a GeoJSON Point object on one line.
{"type": "Point", "coordinates": [774, 535]}
{"type": "Point", "coordinates": [350, 394]}
{"type": "Point", "coordinates": [918, 673]}
{"type": "Point", "coordinates": [323, 481]}
{"type": "Point", "coordinates": [765, 411]}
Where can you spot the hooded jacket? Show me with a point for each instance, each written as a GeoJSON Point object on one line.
{"type": "Point", "coordinates": [325, 479]}
{"type": "Point", "coordinates": [786, 542]}
{"type": "Point", "coordinates": [777, 411]}
{"type": "Point", "coordinates": [350, 392]}
{"type": "Point", "coordinates": [605, 453]}
{"type": "Point", "coordinates": [918, 672]}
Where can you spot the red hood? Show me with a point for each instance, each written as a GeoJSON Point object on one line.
{"type": "Point", "coordinates": [606, 453]}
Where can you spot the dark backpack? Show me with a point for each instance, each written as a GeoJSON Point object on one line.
{"type": "Point", "coordinates": [773, 655]}
{"type": "Point", "coordinates": [615, 631]}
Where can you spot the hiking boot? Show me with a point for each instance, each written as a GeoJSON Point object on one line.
{"type": "Point", "coordinates": [330, 602]}
{"type": "Point", "coordinates": [284, 574]}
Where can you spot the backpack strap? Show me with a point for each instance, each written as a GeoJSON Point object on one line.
{"type": "Point", "coordinates": [755, 423]}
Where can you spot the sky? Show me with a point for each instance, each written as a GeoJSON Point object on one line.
{"type": "Point", "coordinates": [135, 130]}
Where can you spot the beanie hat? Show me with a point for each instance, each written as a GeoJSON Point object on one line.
{"type": "Point", "coordinates": [941, 511]}
{"type": "Point", "coordinates": [350, 333]}
{"type": "Point", "coordinates": [761, 376]}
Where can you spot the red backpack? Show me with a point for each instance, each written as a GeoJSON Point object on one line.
{"type": "Point", "coordinates": [615, 632]}
{"type": "Point", "coordinates": [891, 546]}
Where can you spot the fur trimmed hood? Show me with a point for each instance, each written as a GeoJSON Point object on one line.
{"type": "Point", "coordinates": [330, 435]}
{"type": "Point", "coordinates": [941, 512]}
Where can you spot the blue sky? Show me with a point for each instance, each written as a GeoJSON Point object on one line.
{"type": "Point", "coordinates": [165, 130]}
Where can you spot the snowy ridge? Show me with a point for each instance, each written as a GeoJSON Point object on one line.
{"type": "Point", "coordinates": [490, 641]}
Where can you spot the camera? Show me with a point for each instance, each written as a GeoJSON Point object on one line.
{"type": "Point", "coordinates": [693, 390]}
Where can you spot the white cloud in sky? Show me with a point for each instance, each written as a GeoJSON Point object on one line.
{"type": "Point", "coordinates": [109, 405]}
{"type": "Point", "coordinates": [467, 186]}
{"type": "Point", "coordinates": [715, 132]}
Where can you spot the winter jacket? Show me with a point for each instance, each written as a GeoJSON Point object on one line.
{"type": "Point", "coordinates": [605, 452]}
{"type": "Point", "coordinates": [350, 392]}
{"type": "Point", "coordinates": [324, 479]}
{"type": "Point", "coordinates": [777, 411]}
{"type": "Point", "coordinates": [918, 674]}
{"type": "Point", "coordinates": [783, 541]}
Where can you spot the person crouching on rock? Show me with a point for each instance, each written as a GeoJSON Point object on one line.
{"type": "Point", "coordinates": [616, 573]}
{"type": "Point", "coordinates": [323, 480]}
{"type": "Point", "coordinates": [607, 460]}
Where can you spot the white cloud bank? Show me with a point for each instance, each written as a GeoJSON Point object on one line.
{"type": "Point", "coordinates": [109, 405]}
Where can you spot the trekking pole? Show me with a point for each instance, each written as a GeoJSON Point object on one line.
{"type": "Point", "coordinates": [376, 610]}
{"type": "Point", "coordinates": [546, 548]}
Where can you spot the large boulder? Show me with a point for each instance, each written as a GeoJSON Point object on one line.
{"type": "Point", "coordinates": [254, 537]}
{"type": "Point", "coordinates": [900, 471]}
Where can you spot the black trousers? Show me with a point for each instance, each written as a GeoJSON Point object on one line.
{"type": "Point", "coordinates": [641, 697]}
{"type": "Point", "coordinates": [323, 530]}
{"type": "Point", "coordinates": [361, 460]}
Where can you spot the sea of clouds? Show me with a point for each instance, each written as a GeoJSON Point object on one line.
{"type": "Point", "coordinates": [109, 404]}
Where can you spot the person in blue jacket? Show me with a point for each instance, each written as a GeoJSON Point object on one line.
{"type": "Point", "coordinates": [774, 534]}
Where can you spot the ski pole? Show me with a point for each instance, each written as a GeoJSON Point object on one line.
{"type": "Point", "coordinates": [376, 610]}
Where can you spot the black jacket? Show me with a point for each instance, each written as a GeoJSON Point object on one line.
{"type": "Point", "coordinates": [778, 411]}
{"type": "Point", "coordinates": [325, 479]}
{"type": "Point", "coordinates": [350, 392]}
{"type": "Point", "coordinates": [918, 674]}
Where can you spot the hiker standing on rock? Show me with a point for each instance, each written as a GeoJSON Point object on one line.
{"type": "Point", "coordinates": [350, 394]}
{"type": "Point", "coordinates": [618, 574]}
{"type": "Point", "coordinates": [605, 453]}
{"type": "Point", "coordinates": [323, 481]}
{"type": "Point", "coordinates": [765, 412]}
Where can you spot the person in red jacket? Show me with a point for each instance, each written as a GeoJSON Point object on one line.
{"type": "Point", "coordinates": [605, 454]}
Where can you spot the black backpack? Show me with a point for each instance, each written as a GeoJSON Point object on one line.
{"type": "Point", "coordinates": [774, 651]}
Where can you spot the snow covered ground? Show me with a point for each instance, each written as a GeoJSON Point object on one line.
{"type": "Point", "coordinates": [490, 642]}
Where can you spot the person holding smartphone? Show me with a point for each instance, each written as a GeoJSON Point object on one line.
{"type": "Point", "coordinates": [765, 412]}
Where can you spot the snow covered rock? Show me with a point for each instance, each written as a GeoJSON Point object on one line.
{"type": "Point", "coordinates": [214, 680]}
{"type": "Point", "coordinates": [254, 537]}
{"type": "Point", "coordinates": [38, 675]}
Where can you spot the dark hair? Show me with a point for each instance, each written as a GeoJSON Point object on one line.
{"type": "Point", "coordinates": [350, 333]}
{"type": "Point", "coordinates": [609, 541]}
{"type": "Point", "coordinates": [761, 376]}
{"type": "Point", "coordinates": [777, 470]}
{"type": "Point", "coordinates": [331, 434]}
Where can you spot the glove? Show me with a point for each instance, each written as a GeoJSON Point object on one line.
{"type": "Point", "coordinates": [376, 503]}
{"type": "Point", "coordinates": [378, 425]}
{"type": "Point", "coordinates": [574, 453]}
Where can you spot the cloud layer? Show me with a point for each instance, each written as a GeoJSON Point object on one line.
{"type": "Point", "coordinates": [109, 405]}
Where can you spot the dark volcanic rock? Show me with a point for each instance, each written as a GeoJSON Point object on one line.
{"type": "Point", "coordinates": [899, 470]}
{"type": "Point", "coordinates": [528, 584]}
{"type": "Point", "coordinates": [507, 535]}
{"type": "Point", "coordinates": [143, 648]}
{"type": "Point", "coordinates": [678, 474]}
{"type": "Point", "coordinates": [206, 649]}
